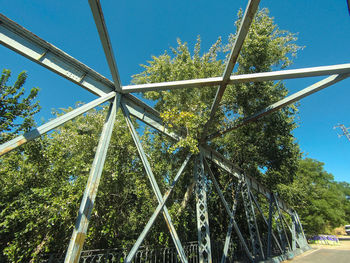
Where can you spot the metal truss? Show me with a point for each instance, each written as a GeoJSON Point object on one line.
{"type": "Point", "coordinates": [24, 42]}
{"type": "Point", "coordinates": [251, 220]}
{"type": "Point", "coordinates": [155, 187]}
{"type": "Point", "coordinates": [229, 212]}
{"type": "Point", "coordinates": [230, 226]}
{"type": "Point", "coordinates": [204, 245]}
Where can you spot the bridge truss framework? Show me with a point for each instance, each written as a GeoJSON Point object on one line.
{"type": "Point", "coordinates": [43, 53]}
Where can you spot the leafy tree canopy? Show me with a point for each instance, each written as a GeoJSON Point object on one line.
{"type": "Point", "coordinates": [265, 145]}
{"type": "Point", "coordinates": [16, 109]}
{"type": "Point", "coordinates": [319, 200]}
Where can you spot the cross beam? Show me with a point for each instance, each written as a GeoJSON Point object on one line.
{"type": "Point", "coordinates": [236, 79]}
{"type": "Point", "coordinates": [284, 102]}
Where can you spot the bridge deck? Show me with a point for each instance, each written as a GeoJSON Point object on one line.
{"type": "Point", "coordinates": [325, 254]}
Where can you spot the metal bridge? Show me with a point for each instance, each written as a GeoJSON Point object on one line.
{"type": "Point", "coordinates": [289, 238]}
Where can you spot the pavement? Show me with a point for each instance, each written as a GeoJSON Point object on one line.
{"type": "Point", "coordinates": [326, 253]}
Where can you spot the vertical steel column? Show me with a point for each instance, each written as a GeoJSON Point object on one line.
{"type": "Point", "coordinates": [251, 220]}
{"type": "Point", "coordinates": [78, 237]}
{"type": "Point", "coordinates": [204, 246]}
{"type": "Point", "coordinates": [154, 185]}
{"type": "Point", "coordinates": [229, 230]}
{"type": "Point", "coordinates": [269, 244]}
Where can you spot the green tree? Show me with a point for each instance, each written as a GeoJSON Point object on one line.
{"type": "Point", "coordinates": [16, 108]}
{"type": "Point", "coordinates": [265, 149]}
{"type": "Point", "coordinates": [267, 144]}
{"type": "Point", "coordinates": [319, 200]}
{"type": "Point", "coordinates": [42, 187]}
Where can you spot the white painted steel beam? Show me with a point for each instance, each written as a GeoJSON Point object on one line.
{"type": "Point", "coordinates": [236, 79]}
{"type": "Point", "coordinates": [38, 50]}
{"type": "Point", "coordinates": [105, 40]}
{"type": "Point", "coordinates": [155, 214]}
{"type": "Point", "coordinates": [154, 185]}
{"type": "Point", "coordinates": [247, 19]}
{"type": "Point", "coordinates": [27, 44]}
{"type": "Point", "coordinates": [87, 203]}
{"type": "Point", "coordinates": [284, 102]}
{"type": "Point", "coordinates": [192, 83]}
{"type": "Point", "coordinates": [35, 133]}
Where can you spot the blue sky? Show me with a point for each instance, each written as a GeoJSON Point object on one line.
{"type": "Point", "coordinates": [140, 29]}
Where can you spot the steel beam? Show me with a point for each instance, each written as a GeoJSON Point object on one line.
{"type": "Point", "coordinates": [269, 230]}
{"type": "Point", "coordinates": [236, 79]}
{"type": "Point", "coordinates": [27, 44]}
{"type": "Point", "coordinates": [38, 50]}
{"type": "Point", "coordinates": [154, 184]}
{"type": "Point", "coordinates": [290, 230]}
{"type": "Point", "coordinates": [252, 225]}
{"type": "Point", "coordinates": [266, 222]}
{"type": "Point", "coordinates": [105, 41]}
{"type": "Point", "coordinates": [284, 102]}
{"type": "Point", "coordinates": [37, 132]}
{"type": "Point", "coordinates": [300, 235]}
{"type": "Point", "coordinates": [171, 85]}
{"type": "Point", "coordinates": [294, 236]}
{"type": "Point", "coordinates": [78, 237]}
{"type": "Point", "coordinates": [151, 221]}
{"type": "Point", "coordinates": [249, 14]}
{"type": "Point", "coordinates": [247, 19]}
{"type": "Point", "coordinates": [230, 226]}
{"type": "Point", "coordinates": [282, 232]}
{"type": "Point", "coordinates": [204, 244]}
{"type": "Point", "coordinates": [229, 212]}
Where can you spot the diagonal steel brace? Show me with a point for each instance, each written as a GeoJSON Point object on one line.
{"type": "Point", "coordinates": [235, 226]}
{"type": "Point", "coordinates": [78, 237]}
{"type": "Point", "coordinates": [229, 230]}
{"type": "Point", "coordinates": [159, 208]}
{"type": "Point", "coordinates": [154, 184]}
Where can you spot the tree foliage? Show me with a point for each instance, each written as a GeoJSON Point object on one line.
{"type": "Point", "coordinates": [16, 108]}
{"type": "Point", "coordinates": [320, 201]}
{"type": "Point", "coordinates": [265, 145]}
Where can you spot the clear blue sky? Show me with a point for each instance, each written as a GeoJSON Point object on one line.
{"type": "Point", "coordinates": [140, 29]}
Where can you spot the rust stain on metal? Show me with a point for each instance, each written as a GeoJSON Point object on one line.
{"type": "Point", "coordinates": [10, 148]}
{"type": "Point", "coordinates": [79, 242]}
